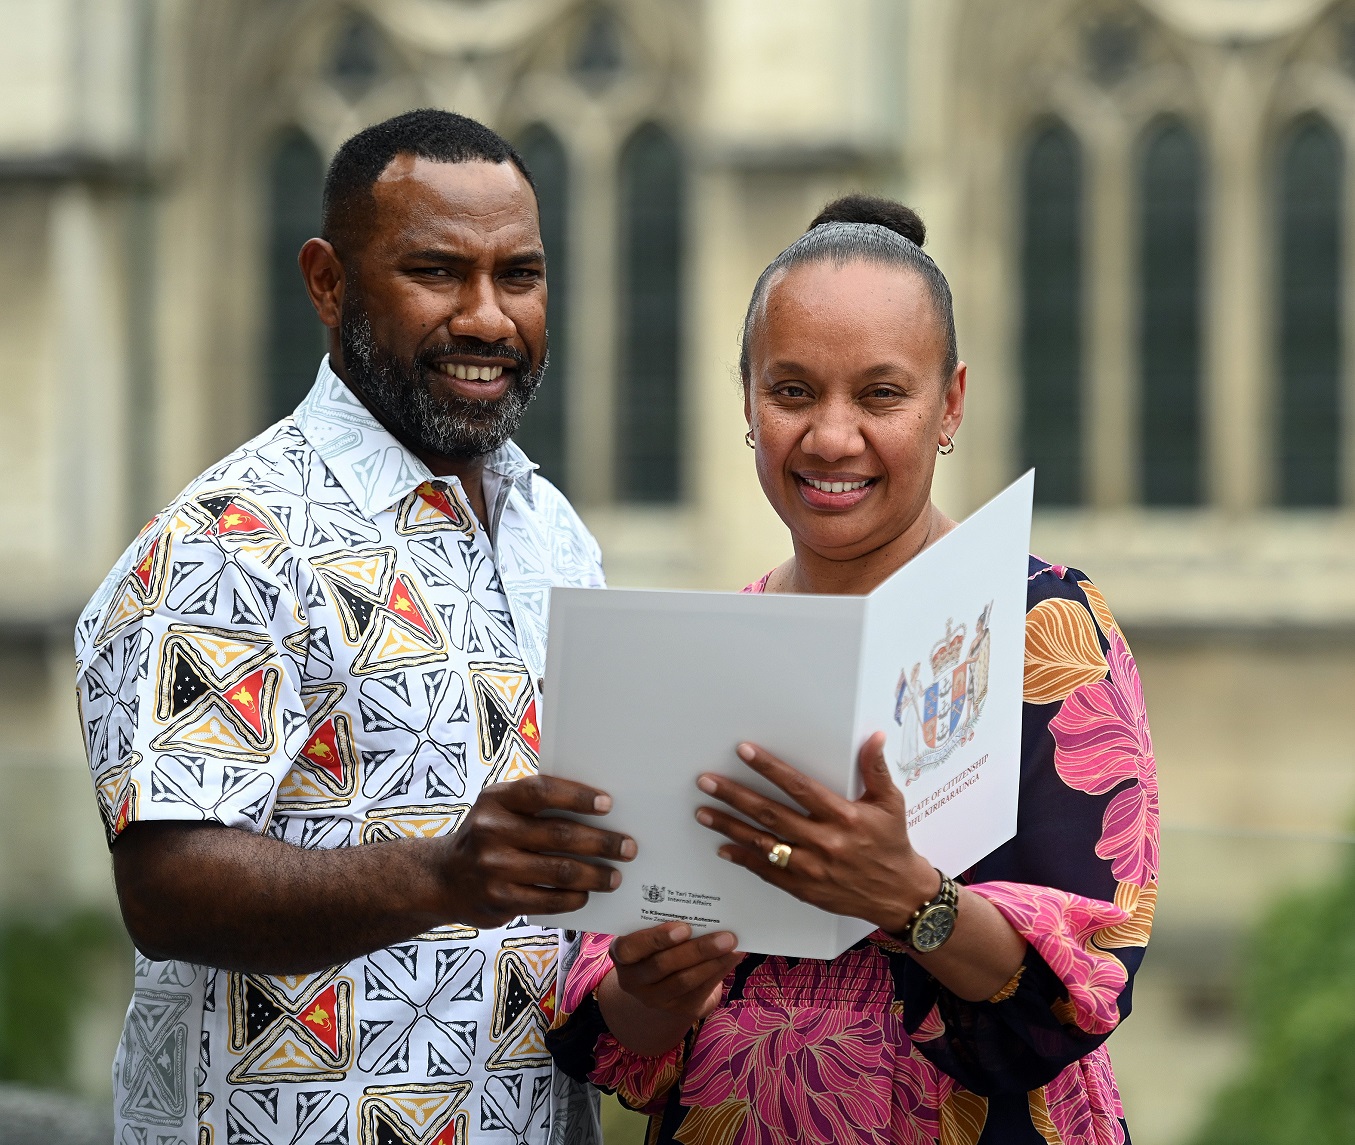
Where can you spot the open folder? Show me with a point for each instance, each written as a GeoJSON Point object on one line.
{"type": "Point", "coordinates": [646, 690]}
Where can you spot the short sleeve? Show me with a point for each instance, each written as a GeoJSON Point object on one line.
{"type": "Point", "coordinates": [189, 665]}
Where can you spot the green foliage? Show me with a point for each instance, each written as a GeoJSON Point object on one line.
{"type": "Point", "coordinates": [46, 969]}
{"type": "Point", "coordinates": [1298, 1084]}
{"type": "Point", "coordinates": [621, 1126]}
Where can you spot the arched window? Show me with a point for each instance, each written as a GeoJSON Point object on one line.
{"type": "Point", "coordinates": [1310, 315]}
{"type": "Point", "coordinates": [649, 402]}
{"type": "Point", "coordinates": [1051, 315]}
{"type": "Point", "coordinates": [296, 339]}
{"type": "Point", "coordinates": [542, 433]}
{"type": "Point", "coordinates": [1170, 204]}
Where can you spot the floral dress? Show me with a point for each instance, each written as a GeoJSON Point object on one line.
{"type": "Point", "coordinates": [869, 1047]}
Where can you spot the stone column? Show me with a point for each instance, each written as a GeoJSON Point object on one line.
{"type": "Point", "coordinates": [1111, 433]}
{"type": "Point", "coordinates": [1237, 370]}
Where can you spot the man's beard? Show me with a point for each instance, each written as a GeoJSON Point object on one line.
{"type": "Point", "coordinates": [399, 392]}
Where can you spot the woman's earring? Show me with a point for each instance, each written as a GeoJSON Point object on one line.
{"type": "Point", "coordinates": [748, 440]}
{"type": "Point", "coordinates": [947, 449]}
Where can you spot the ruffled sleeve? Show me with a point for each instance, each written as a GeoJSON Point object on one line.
{"type": "Point", "coordinates": [585, 1049]}
{"type": "Point", "coordinates": [1079, 880]}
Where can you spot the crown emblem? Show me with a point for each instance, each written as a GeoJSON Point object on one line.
{"type": "Point", "coordinates": [947, 651]}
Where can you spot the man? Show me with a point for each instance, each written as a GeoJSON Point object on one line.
{"type": "Point", "coordinates": [310, 698]}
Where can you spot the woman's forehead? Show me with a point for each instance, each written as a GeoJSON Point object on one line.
{"type": "Point", "coordinates": [820, 303]}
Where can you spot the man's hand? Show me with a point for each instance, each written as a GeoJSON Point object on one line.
{"type": "Point", "coordinates": [506, 860]}
{"type": "Point", "coordinates": [240, 901]}
{"type": "Point", "coordinates": [665, 981]}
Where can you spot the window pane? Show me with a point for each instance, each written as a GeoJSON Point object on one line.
{"type": "Point", "coordinates": [1310, 316]}
{"type": "Point", "coordinates": [296, 338]}
{"type": "Point", "coordinates": [542, 433]}
{"type": "Point", "coordinates": [1051, 304]}
{"type": "Point", "coordinates": [649, 408]}
{"type": "Point", "coordinates": [1169, 337]}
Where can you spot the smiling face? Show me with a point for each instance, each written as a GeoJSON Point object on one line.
{"type": "Point", "coordinates": [848, 404]}
{"type": "Point", "coordinates": [439, 307]}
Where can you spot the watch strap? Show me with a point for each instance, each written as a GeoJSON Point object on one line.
{"type": "Point", "coordinates": [948, 895]}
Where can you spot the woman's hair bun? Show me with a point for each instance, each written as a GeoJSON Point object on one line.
{"type": "Point", "coordinates": [874, 209]}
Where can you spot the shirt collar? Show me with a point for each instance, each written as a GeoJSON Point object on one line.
{"type": "Point", "coordinates": [375, 469]}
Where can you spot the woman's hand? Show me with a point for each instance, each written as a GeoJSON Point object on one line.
{"type": "Point", "coordinates": [664, 982]}
{"type": "Point", "coordinates": [848, 858]}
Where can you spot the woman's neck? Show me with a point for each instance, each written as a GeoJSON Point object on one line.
{"type": "Point", "coordinates": [811, 572]}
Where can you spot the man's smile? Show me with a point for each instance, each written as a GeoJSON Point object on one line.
{"type": "Point", "coordinates": [477, 379]}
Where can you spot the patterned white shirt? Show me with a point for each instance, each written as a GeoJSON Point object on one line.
{"type": "Point", "coordinates": [318, 641]}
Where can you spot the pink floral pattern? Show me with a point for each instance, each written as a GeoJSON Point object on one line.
{"type": "Point", "coordinates": [1060, 927]}
{"type": "Point", "coordinates": [641, 1082]}
{"type": "Point", "coordinates": [1101, 739]}
{"type": "Point", "coordinates": [1084, 1103]}
{"type": "Point", "coordinates": [586, 974]}
{"type": "Point", "coordinates": [802, 1050]}
{"type": "Point", "coordinates": [830, 1071]}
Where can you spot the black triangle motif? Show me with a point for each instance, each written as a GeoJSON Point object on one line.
{"type": "Point", "coordinates": [496, 726]}
{"type": "Point", "coordinates": [361, 609]}
{"type": "Point", "coordinates": [518, 995]}
{"type": "Point", "coordinates": [215, 505]}
{"type": "Point", "coordinates": [387, 1131]}
{"type": "Point", "coordinates": [187, 684]}
{"type": "Point", "coordinates": [260, 1012]}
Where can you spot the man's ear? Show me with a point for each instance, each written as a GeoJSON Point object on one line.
{"type": "Point", "coordinates": [323, 274]}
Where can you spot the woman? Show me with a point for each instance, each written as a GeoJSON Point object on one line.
{"type": "Point", "coordinates": [974, 1013]}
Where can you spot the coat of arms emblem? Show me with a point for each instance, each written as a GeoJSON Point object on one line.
{"type": "Point", "coordinates": [653, 893]}
{"type": "Point", "coordinates": [939, 716]}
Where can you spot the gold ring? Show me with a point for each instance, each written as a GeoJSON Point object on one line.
{"type": "Point", "coordinates": [779, 856]}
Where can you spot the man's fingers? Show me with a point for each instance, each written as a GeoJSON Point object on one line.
{"type": "Point", "coordinates": [543, 900]}
{"type": "Point", "coordinates": [549, 793]}
{"type": "Point", "coordinates": [560, 873]}
{"type": "Point", "coordinates": [555, 836]}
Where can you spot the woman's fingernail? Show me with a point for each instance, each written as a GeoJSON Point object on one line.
{"type": "Point", "coordinates": [615, 880]}
{"type": "Point", "coordinates": [746, 752]}
{"type": "Point", "coordinates": [726, 853]}
{"type": "Point", "coordinates": [724, 943]}
{"type": "Point", "coordinates": [704, 817]}
{"type": "Point", "coordinates": [628, 849]}
{"type": "Point", "coordinates": [602, 804]}
{"type": "Point", "coordinates": [707, 784]}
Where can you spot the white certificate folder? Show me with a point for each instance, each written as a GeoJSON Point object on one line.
{"type": "Point", "coordinates": [645, 690]}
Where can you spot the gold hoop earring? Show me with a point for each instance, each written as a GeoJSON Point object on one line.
{"type": "Point", "coordinates": [748, 440]}
{"type": "Point", "coordinates": [947, 449]}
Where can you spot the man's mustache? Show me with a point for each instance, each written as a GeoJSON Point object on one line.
{"type": "Point", "coordinates": [474, 348]}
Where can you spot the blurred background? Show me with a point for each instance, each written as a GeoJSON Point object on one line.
{"type": "Point", "coordinates": [1142, 206]}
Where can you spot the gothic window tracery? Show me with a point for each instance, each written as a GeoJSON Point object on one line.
{"type": "Point", "coordinates": [1170, 337]}
{"type": "Point", "coordinates": [543, 430]}
{"type": "Point", "coordinates": [1309, 351]}
{"type": "Point", "coordinates": [1051, 314]}
{"type": "Point", "coordinates": [650, 188]}
{"type": "Point", "coordinates": [295, 339]}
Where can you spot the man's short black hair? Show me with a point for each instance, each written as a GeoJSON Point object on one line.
{"type": "Point", "coordinates": [429, 133]}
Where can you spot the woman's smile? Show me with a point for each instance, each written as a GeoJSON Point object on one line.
{"type": "Point", "coordinates": [834, 493]}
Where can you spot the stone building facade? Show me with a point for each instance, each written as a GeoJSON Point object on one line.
{"type": "Point", "coordinates": [1142, 206]}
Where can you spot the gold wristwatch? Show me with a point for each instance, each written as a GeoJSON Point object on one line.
{"type": "Point", "coordinates": [934, 921]}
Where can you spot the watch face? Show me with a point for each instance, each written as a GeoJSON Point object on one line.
{"type": "Point", "coordinates": [933, 927]}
